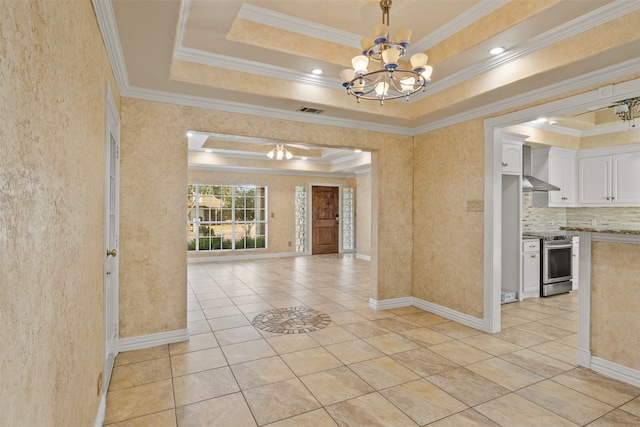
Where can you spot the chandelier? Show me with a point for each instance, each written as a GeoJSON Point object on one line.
{"type": "Point", "coordinates": [389, 81]}
{"type": "Point", "coordinates": [624, 109]}
{"type": "Point", "coordinates": [279, 153]}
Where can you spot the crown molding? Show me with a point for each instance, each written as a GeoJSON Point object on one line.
{"type": "Point", "coordinates": [252, 67]}
{"type": "Point", "coordinates": [300, 26]}
{"type": "Point", "coordinates": [109, 30]}
{"type": "Point", "coordinates": [463, 20]}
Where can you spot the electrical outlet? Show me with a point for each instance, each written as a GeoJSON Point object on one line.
{"type": "Point", "coordinates": [475, 205]}
{"type": "Point", "coordinates": [289, 242]}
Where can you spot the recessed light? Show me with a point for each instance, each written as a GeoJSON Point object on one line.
{"type": "Point", "coordinates": [189, 133]}
{"type": "Point", "coordinates": [540, 120]}
{"type": "Point", "coordinates": [497, 50]}
{"type": "Point", "coordinates": [316, 71]}
{"type": "Point", "coordinates": [303, 158]}
{"type": "Point", "coordinates": [358, 150]}
{"type": "Point", "coordinates": [208, 150]}
{"type": "Point", "coordinates": [553, 122]}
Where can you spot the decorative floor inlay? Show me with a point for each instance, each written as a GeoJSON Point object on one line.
{"type": "Point", "coordinates": [291, 320]}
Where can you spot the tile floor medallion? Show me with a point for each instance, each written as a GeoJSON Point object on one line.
{"type": "Point", "coordinates": [291, 320]}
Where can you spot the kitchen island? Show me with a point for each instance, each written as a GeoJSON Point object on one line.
{"type": "Point", "coordinates": [609, 296]}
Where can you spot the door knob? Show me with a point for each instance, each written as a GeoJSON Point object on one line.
{"type": "Point", "coordinates": [112, 253]}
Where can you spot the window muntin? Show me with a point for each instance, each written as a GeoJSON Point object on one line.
{"type": "Point", "coordinates": [226, 217]}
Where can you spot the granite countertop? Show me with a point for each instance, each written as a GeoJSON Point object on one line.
{"type": "Point", "coordinates": [615, 229]}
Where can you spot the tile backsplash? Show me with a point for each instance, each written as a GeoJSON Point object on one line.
{"type": "Point", "coordinates": [550, 219]}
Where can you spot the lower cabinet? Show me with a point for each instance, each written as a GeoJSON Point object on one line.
{"type": "Point", "coordinates": [530, 268]}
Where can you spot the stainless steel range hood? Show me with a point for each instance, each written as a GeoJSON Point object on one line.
{"type": "Point", "coordinates": [529, 182]}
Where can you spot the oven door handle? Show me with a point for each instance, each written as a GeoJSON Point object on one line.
{"type": "Point", "coordinates": [548, 247]}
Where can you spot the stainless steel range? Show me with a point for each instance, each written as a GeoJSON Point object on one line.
{"type": "Point", "coordinates": [556, 254]}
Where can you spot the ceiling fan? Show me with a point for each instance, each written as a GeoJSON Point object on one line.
{"type": "Point", "coordinates": [623, 109]}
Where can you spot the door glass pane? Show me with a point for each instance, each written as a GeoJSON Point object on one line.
{"type": "Point", "coordinates": [300, 207]}
{"type": "Point", "coordinates": [347, 219]}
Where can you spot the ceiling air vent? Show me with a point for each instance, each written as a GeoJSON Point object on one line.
{"type": "Point", "coordinates": [310, 110]}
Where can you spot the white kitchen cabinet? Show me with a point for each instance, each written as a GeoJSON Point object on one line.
{"type": "Point", "coordinates": [611, 179]}
{"type": "Point", "coordinates": [594, 180]}
{"type": "Point", "coordinates": [530, 268]}
{"type": "Point", "coordinates": [575, 263]}
{"type": "Point", "coordinates": [511, 157]}
{"type": "Point", "coordinates": [626, 178]}
{"type": "Point", "coordinates": [557, 166]}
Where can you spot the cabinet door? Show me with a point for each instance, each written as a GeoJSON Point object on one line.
{"type": "Point", "coordinates": [594, 180]}
{"type": "Point", "coordinates": [511, 158]}
{"type": "Point", "coordinates": [562, 174]}
{"type": "Point", "coordinates": [626, 178]}
{"type": "Point", "coordinates": [531, 272]}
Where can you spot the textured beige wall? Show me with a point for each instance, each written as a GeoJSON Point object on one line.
{"type": "Point", "coordinates": [53, 70]}
{"type": "Point", "coordinates": [153, 182]}
{"type": "Point", "coordinates": [281, 197]}
{"type": "Point", "coordinates": [615, 298]}
{"type": "Point", "coordinates": [363, 214]}
{"type": "Point", "coordinates": [448, 239]}
{"type": "Point", "coordinates": [155, 134]}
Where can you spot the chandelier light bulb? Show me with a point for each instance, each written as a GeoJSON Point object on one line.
{"type": "Point", "coordinates": [366, 44]}
{"type": "Point", "coordinates": [426, 74]}
{"type": "Point", "coordinates": [381, 89]}
{"type": "Point", "coordinates": [419, 62]}
{"type": "Point", "coordinates": [381, 33]}
{"type": "Point", "coordinates": [346, 76]}
{"type": "Point", "coordinates": [403, 36]}
{"type": "Point", "coordinates": [271, 153]}
{"type": "Point", "coordinates": [358, 87]}
{"type": "Point", "coordinates": [360, 63]}
{"type": "Point", "coordinates": [390, 57]}
{"type": "Point", "coordinates": [407, 84]}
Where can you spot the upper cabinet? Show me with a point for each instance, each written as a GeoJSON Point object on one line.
{"type": "Point", "coordinates": [557, 166]}
{"type": "Point", "coordinates": [511, 154]}
{"type": "Point", "coordinates": [609, 177]}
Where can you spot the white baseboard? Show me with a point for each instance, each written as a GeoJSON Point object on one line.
{"type": "Point", "coordinates": [584, 358]}
{"type": "Point", "coordinates": [387, 304]}
{"type": "Point", "coordinates": [445, 312]}
{"type": "Point", "coordinates": [363, 257]}
{"type": "Point", "coordinates": [451, 314]}
{"type": "Point", "coordinates": [102, 411]}
{"type": "Point", "coordinates": [618, 372]}
{"type": "Point", "coordinates": [152, 340]}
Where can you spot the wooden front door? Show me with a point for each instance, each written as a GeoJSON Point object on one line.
{"type": "Point", "coordinates": [325, 231]}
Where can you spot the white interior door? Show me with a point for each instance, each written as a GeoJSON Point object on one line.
{"type": "Point", "coordinates": [111, 239]}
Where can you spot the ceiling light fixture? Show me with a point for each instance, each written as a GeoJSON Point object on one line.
{"type": "Point", "coordinates": [279, 153]}
{"type": "Point", "coordinates": [316, 71]}
{"type": "Point", "coordinates": [624, 109]}
{"type": "Point", "coordinates": [497, 50]}
{"type": "Point", "coordinates": [390, 81]}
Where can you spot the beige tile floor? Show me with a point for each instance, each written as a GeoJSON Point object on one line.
{"type": "Point", "coordinates": [400, 367]}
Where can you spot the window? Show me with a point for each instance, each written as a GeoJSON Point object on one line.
{"type": "Point", "coordinates": [226, 217]}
